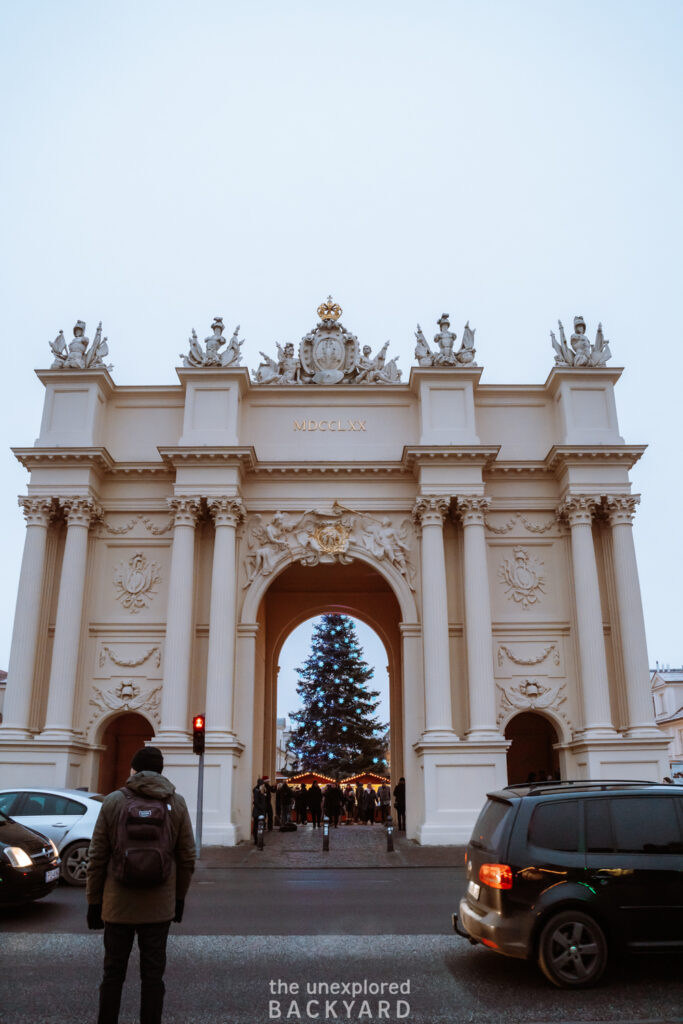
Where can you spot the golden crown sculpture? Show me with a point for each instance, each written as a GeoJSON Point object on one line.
{"type": "Point", "coordinates": [329, 310]}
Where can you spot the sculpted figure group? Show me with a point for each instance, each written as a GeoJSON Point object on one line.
{"type": "Point", "coordinates": [329, 354]}
{"type": "Point", "coordinates": [445, 354]}
{"type": "Point", "coordinates": [80, 354]}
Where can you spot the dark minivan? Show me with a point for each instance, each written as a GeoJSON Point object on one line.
{"type": "Point", "coordinates": [567, 872]}
{"type": "Point", "coordinates": [29, 863]}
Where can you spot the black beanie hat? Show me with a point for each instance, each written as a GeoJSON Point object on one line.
{"type": "Point", "coordinates": [148, 759]}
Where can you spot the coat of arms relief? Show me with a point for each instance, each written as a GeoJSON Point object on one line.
{"type": "Point", "coordinates": [136, 582]}
{"type": "Point", "coordinates": [312, 537]}
{"type": "Point", "coordinates": [523, 577]}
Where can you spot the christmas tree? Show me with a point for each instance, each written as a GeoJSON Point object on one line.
{"type": "Point", "coordinates": [337, 733]}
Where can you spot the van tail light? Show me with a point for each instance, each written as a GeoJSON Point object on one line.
{"type": "Point", "coordinates": [497, 876]}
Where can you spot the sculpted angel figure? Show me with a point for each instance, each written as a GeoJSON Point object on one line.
{"type": "Point", "coordinates": [267, 544]}
{"type": "Point", "coordinates": [383, 540]}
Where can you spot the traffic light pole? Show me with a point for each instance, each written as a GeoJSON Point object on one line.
{"type": "Point", "coordinates": [200, 804]}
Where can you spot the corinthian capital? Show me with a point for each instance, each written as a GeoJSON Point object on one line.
{"type": "Point", "coordinates": [37, 511]}
{"type": "Point", "coordinates": [81, 511]}
{"type": "Point", "coordinates": [622, 508]}
{"type": "Point", "coordinates": [472, 510]}
{"type": "Point", "coordinates": [185, 510]}
{"type": "Point", "coordinates": [430, 510]}
{"type": "Point", "coordinates": [226, 511]}
{"type": "Point", "coordinates": [577, 509]}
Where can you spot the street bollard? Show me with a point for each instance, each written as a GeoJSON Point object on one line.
{"type": "Point", "coordinates": [326, 834]}
{"type": "Point", "coordinates": [390, 835]}
{"type": "Point", "coordinates": [259, 831]}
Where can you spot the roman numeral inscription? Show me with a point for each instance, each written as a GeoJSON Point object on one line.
{"type": "Point", "coordinates": [334, 426]}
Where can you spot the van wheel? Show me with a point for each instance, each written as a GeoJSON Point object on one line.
{"type": "Point", "coordinates": [75, 863]}
{"type": "Point", "coordinates": [572, 950]}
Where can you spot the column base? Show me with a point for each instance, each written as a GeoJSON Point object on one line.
{"type": "Point", "coordinates": [643, 732]}
{"type": "Point", "coordinates": [171, 738]}
{"type": "Point", "coordinates": [596, 733]}
{"type": "Point", "coordinates": [13, 734]}
{"type": "Point", "coordinates": [457, 775]}
{"type": "Point", "coordinates": [181, 766]}
{"type": "Point", "coordinates": [57, 736]}
{"type": "Point", "coordinates": [618, 758]}
{"type": "Point", "coordinates": [484, 736]}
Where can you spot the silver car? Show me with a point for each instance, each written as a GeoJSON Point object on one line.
{"type": "Point", "coordinates": [66, 816]}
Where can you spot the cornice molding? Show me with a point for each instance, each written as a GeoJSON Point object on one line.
{"type": "Point", "coordinates": [208, 455]}
{"type": "Point", "coordinates": [582, 375]}
{"type": "Point", "coordinates": [477, 455]}
{"type": "Point", "coordinates": [67, 458]}
{"type": "Point", "coordinates": [564, 455]}
{"type": "Point", "coordinates": [70, 376]}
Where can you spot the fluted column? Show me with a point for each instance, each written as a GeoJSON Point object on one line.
{"type": "Point", "coordinates": [429, 513]}
{"type": "Point", "coordinates": [631, 620]}
{"type": "Point", "coordinates": [80, 513]}
{"type": "Point", "coordinates": [23, 653]}
{"type": "Point", "coordinates": [178, 647]}
{"type": "Point", "coordinates": [227, 513]}
{"type": "Point", "coordinates": [597, 718]}
{"type": "Point", "coordinates": [480, 684]}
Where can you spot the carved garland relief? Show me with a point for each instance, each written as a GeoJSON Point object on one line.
{"type": "Point", "coordinates": [106, 652]}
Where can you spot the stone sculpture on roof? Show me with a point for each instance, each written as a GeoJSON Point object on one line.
{"type": "Point", "coordinates": [329, 354]}
{"type": "Point", "coordinates": [579, 351]}
{"type": "Point", "coordinates": [80, 354]}
{"type": "Point", "coordinates": [445, 354]}
{"type": "Point", "coordinates": [212, 356]}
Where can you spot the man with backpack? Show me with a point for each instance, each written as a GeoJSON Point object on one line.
{"type": "Point", "coordinates": [140, 863]}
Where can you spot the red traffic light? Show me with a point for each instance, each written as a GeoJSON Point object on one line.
{"type": "Point", "coordinates": [198, 728]}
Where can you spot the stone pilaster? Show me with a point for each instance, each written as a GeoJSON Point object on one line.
{"type": "Point", "coordinates": [621, 510]}
{"type": "Point", "coordinates": [23, 653]}
{"type": "Point", "coordinates": [80, 513]}
{"type": "Point", "coordinates": [227, 513]}
{"type": "Point", "coordinates": [429, 513]}
{"type": "Point", "coordinates": [480, 683]}
{"type": "Point", "coordinates": [597, 718]}
{"type": "Point", "coordinates": [178, 647]}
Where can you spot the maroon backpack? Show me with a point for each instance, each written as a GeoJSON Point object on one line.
{"type": "Point", "coordinates": [142, 856]}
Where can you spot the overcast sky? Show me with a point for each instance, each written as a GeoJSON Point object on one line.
{"type": "Point", "coordinates": [507, 162]}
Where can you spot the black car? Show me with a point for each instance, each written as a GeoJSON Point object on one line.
{"type": "Point", "coordinates": [29, 863]}
{"type": "Point", "coordinates": [566, 873]}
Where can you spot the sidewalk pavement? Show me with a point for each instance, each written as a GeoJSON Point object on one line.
{"type": "Point", "coordinates": [351, 846]}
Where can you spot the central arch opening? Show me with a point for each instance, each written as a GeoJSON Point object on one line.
{"type": "Point", "coordinates": [301, 593]}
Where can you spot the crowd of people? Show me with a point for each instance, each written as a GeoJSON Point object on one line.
{"type": "Point", "coordinates": [301, 804]}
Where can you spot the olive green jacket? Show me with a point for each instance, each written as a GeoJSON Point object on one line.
{"type": "Point", "coordinates": [120, 903]}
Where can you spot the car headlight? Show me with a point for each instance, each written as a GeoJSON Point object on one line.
{"type": "Point", "coordinates": [54, 848]}
{"type": "Point", "coordinates": [17, 857]}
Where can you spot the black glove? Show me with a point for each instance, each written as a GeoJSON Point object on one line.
{"type": "Point", "coordinates": [179, 907]}
{"type": "Point", "coordinates": [95, 921]}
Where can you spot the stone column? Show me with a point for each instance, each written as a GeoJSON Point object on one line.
{"type": "Point", "coordinates": [429, 513]}
{"type": "Point", "coordinates": [597, 718]}
{"type": "Point", "coordinates": [23, 653]}
{"type": "Point", "coordinates": [227, 513]}
{"type": "Point", "coordinates": [480, 684]}
{"type": "Point", "coordinates": [631, 621]}
{"type": "Point", "coordinates": [80, 513]}
{"type": "Point", "coordinates": [175, 725]}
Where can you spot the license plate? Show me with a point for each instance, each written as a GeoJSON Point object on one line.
{"type": "Point", "coordinates": [473, 890]}
{"type": "Point", "coordinates": [52, 876]}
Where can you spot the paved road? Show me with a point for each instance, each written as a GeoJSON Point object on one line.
{"type": "Point", "coordinates": [246, 929]}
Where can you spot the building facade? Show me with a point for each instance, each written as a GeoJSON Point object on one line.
{"type": "Point", "coordinates": [175, 536]}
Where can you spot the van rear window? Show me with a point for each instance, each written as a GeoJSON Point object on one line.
{"type": "Point", "coordinates": [490, 827]}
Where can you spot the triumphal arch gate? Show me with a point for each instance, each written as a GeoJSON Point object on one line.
{"type": "Point", "coordinates": [175, 535]}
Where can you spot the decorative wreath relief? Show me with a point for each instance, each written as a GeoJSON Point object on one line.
{"type": "Point", "coordinates": [523, 577]}
{"type": "Point", "coordinates": [136, 582]}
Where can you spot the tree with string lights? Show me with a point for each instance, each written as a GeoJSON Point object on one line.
{"type": "Point", "coordinates": [336, 728]}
